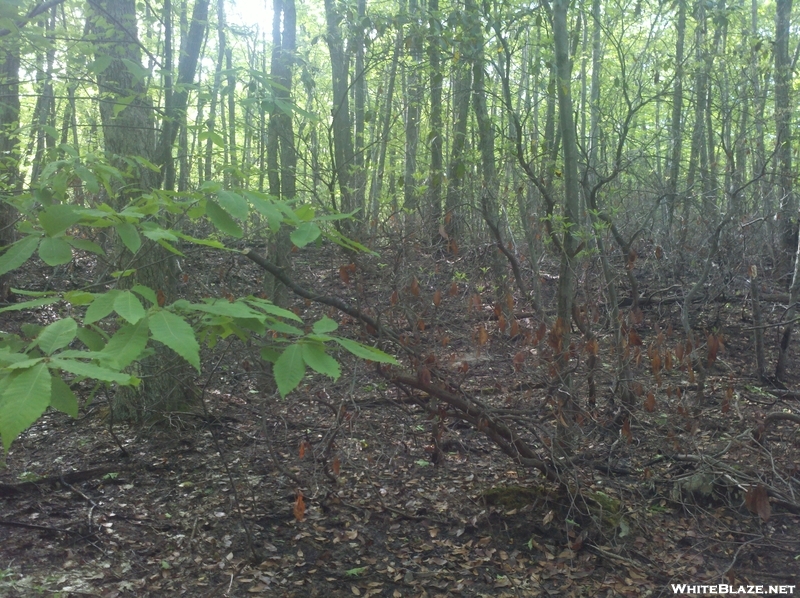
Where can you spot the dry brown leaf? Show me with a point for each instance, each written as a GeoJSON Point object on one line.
{"type": "Point", "coordinates": [757, 501]}
{"type": "Point", "coordinates": [299, 507]}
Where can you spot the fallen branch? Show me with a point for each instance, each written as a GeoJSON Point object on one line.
{"type": "Point", "coordinates": [483, 420]}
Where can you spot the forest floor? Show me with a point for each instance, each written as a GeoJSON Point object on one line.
{"type": "Point", "coordinates": [207, 502]}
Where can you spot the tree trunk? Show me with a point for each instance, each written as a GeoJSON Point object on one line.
{"type": "Point", "coordinates": [787, 215]}
{"type": "Point", "coordinates": [569, 243]}
{"type": "Point", "coordinates": [456, 168]}
{"type": "Point", "coordinates": [281, 156]}
{"type": "Point", "coordinates": [413, 112]}
{"type": "Point", "coordinates": [376, 185]}
{"type": "Point", "coordinates": [343, 150]}
{"type": "Point", "coordinates": [676, 132]}
{"type": "Point", "coordinates": [215, 92]}
{"type": "Point", "coordinates": [9, 146]}
{"type": "Point", "coordinates": [166, 378]}
{"type": "Point", "coordinates": [175, 107]}
{"type": "Point", "coordinates": [434, 211]}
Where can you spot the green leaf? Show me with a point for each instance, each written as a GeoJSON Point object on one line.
{"type": "Point", "coordinates": [31, 330]}
{"type": "Point", "coordinates": [100, 64]}
{"type": "Point", "coordinates": [175, 333]}
{"type": "Point", "coordinates": [78, 298]}
{"type": "Point", "coordinates": [205, 242]}
{"type": "Point", "coordinates": [156, 233]}
{"type": "Point", "coordinates": [289, 369]}
{"type": "Point", "coordinates": [304, 213]}
{"type": "Point", "coordinates": [62, 397]}
{"type": "Point", "coordinates": [269, 354]}
{"type": "Point", "coordinates": [136, 69]}
{"type": "Point", "coordinates": [215, 138]}
{"type": "Point", "coordinates": [57, 218]}
{"type": "Point", "coordinates": [168, 247]}
{"type": "Point", "coordinates": [24, 398]}
{"type": "Point", "coordinates": [121, 103]}
{"type": "Point", "coordinates": [145, 292]}
{"type": "Point", "coordinates": [31, 304]}
{"type": "Point", "coordinates": [26, 293]}
{"type": "Point", "coordinates": [222, 221]}
{"type": "Point", "coordinates": [129, 236]}
{"type": "Point", "coordinates": [88, 178]}
{"type": "Point", "coordinates": [355, 572]}
{"type": "Point", "coordinates": [273, 309]}
{"type": "Point", "coordinates": [324, 324]}
{"type": "Point", "coordinates": [238, 309]}
{"type": "Point", "coordinates": [18, 253]}
{"type": "Point", "coordinates": [102, 305]}
{"type": "Point", "coordinates": [304, 234]}
{"type": "Point", "coordinates": [24, 364]}
{"type": "Point", "coordinates": [267, 209]}
{"type": "Point", "coordinates": [85, 245]}
{"type": "Point", "coordinates": [55, 251]}
{"type": "Point", "coordinates": [234, 204]}
{"type": "Point", "coordinates": [283, 327]}
{"type": "Point", "coordinates": [366, 352]}
{"type": "Point", "coordinates": [93, 340]}
{"type": "Point", "coordinates": [318, 360]}
{"type": "Point", "coordinates": [57, 335]}
{"type": "Point", "coordinates": [129, 307]}
{"type": "Point", "coordinates": [89, 370]}
{"type": "Point", "coordinates": [126, 345]}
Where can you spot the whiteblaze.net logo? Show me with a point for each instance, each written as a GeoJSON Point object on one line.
{"type": "Point", "coordinates": [688, 589]}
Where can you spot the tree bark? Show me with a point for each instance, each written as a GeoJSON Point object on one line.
{"type": "Point", "coordinates": [787, 214]}
{"type": "Point", "coordinates": [343, 149]}
{"type": "Point", "coordinates": [281, 156]}
{"type": "Point", "coordinates": [166, 378]}
{"type": "Point", "coordinates": [571, 215]}
{"type": "Point", "coordinates": [9, 145]}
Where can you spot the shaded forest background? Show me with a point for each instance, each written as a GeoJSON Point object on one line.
{"type": "Point", "coordinates": [546, 253]}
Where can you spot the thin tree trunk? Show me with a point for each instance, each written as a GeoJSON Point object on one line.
{"type": "Point", "coordinates": [413, 111]}
{"type": "Point", "coordinates": [676, 132]}
{"type": "Point", "coordinates": [437, 163]}
{"type": "Point", "coordinates": [281, 156]}
{"type": "Point", "coordinates": [569, 243]}
{"type": "Point", "coordinates": [343, 149]}
{"type": "Point", "coordinates": [383, 140]}
{"type": "Point", "coordinates": [359, 109]}
{"type": "Point", "coordinates": [9, 145]}
{"type": "Point", "coordinates": [45, 103]}
{"type": "Point", "coordinates": [166, 379]}
{"type": "Point", "coordinates": [783, 122]}
{"type": "Point", "coordinates": [215, 92]}
{"type": "Point", "coordinates": [456, 168]}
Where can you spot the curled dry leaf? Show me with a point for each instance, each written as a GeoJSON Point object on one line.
{"type": "Point", "coordinates": [518, 360]}
{"type": "Point", "coordinates": [299, 507]}
{"type": "Point", "coordinates": [757, 501]}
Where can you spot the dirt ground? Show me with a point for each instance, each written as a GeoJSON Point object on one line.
{"type": "Point", "coordinates": [339, 490]}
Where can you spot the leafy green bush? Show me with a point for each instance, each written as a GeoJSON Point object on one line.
{"type": "Point", "coordinates": [105, 333]}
